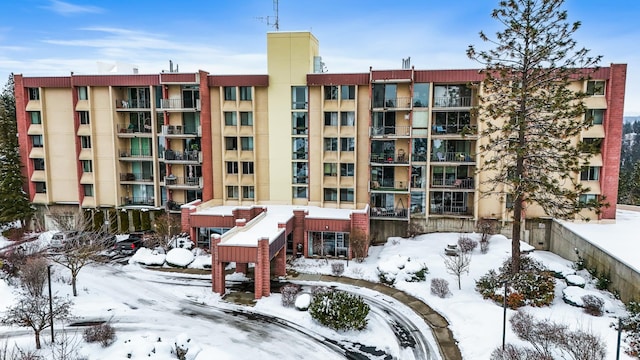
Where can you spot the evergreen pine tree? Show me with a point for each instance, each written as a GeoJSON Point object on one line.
{"type": "Point", "coordinates": [14, 202]}
{"type": "Point", "coordinates": [530, 114]}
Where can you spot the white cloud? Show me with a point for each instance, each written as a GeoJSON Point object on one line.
{"type": "Point", "coordinates": [65, 8]}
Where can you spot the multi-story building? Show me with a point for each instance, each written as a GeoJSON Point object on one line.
{"type": "Point", "coordinates": [401, 144]}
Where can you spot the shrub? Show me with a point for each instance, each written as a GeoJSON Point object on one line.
{"type": "Point", "coordinates": [631, 327]}
{"type": "Point", "coordinates": [593, 305]}
{"type": "Point", "coordinates": [319, 290]}
{"type": "Point", "coordinates": [440, 287]}
{"type": "Point", "coordinates": [401, 268]}
{"type": "Point", "coordinates": [466, 244]}
{"type": "Point", "coordinates": [603, 282]}
{"type": "Point", "coordinates": [340, 310]}
{"type": "Point", "coordinates": [337, 268]}
{"type": "Point", "coordinates": [289, 293]}
{"type": "Point", "coordinates": [104, 334]}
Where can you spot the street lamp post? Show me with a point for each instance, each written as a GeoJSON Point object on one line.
{"type": "Point", "coordinates": [504, 314]}
{"type": "Point", "coordinates": [50, 303]}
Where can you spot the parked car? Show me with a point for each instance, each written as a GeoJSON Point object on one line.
{"type": "Point", "coordinates": [129, 245]}
{"type": "Point", "coordinates": [59, 239]}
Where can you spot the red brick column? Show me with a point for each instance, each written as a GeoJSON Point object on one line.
{"type": "Point", "coordinates": [217, 270]}
{"type": "Point", "coordinates": [262, 270]}
{"type": "Point", "coordinates": [23, 138]}
{"type": "Point", "coordinates": [281, 263]}
{"type": "Point", "coordinates": [299, 230]}
{"type": "Point", "coordinates": [613, 138]}
{"type": "Point", "coordinates": [241, 268]}
{"type": "Point", "coordinates": [206, 141]}
{"type": "Point", "coordinates": [185, 217]}
{"type": "Point", "coordinates": [360, 221]}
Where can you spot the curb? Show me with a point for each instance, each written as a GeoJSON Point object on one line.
{"type": "Point", "coordinates": [447, 344]}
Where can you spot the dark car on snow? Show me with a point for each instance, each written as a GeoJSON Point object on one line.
{"type": "Point", "coordinates": [129, 245]}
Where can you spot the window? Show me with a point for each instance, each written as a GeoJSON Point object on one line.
{"type": "Point", "coordinates": [348, 118]}
{"type": "Point", "coordinates": [300, 148]}
{"type": "Point", "coordinates": [246, 143]}
{"type": "Point", "coordinates": [230, 118]}
{"type": "Point", "coordinates": [36, 141]}
{"type": "Point", "coordinates": [299, 192]}
{"type": "Point", "coordinates": [421, 95]}
{"type": "Point", "coordinates": [88, 189]}
{"type": "Point", "coordinates": [41, 187]}
{"type": "Point", "coordinates": [83, 94]}
{"type": "Point", "coordinates": [35, 117]}
{"type": "Point", "coordinates": [587, 198]}
{"type": "Point", "coordinates": [331, 92]}
{"type": "Point", "coordinates": [232, 167]}
{"type": "Point", "coordinates": [246, 118]}
{"type": "Point", "coordinates": [590, 173]}
{"type": "Point", "coordinates": [84, 117]}
{"type": "Point", "coordinates": [85, 142]}
{"type": "Point", "coordinates": [595, 87]}
{"type": "Point", "coordinates": [232, 192]}
{"type": "Point", "coordinates": [299, 123]}
{"type": "Point", "coordinates": [245, 93]}
{"type": "Point", "coordinates": [347, 169]}
{"type": "Point", "coordinates": [330, 169]}
{"type": "Point", "coordinates": [230, 143]}
{"type": "Point", "coordinates": [347, 144]}
{"type": "Point", "coordinates": [330, 144]}
{"type": "Point", "coordinates": [87, 166]}
{"type": "Point", "coordinates": [346, 195]}
{"type": "Point", "coordinates": [230, 93]}
{"type": "Point", "coordinates": [330, 119]}
{"type": "Point", "coordinates": [298, 97]}
{"type": "Point", "coordinates": [300, 172]}
{"type": "Point", "coordinates": [247, 167]}
{"type": "Point", "coordinates": [34, 94]}
{"type": "Point", "coordinates": [591, 145]}
{"type": "Point", "coordinates": [509, 201]}
{"type": "Point", "coordinates": [330, 194]}
{"type": "Point", "coordinates": [595, 115]}
{"type": "Point", "coordinates": [248, 192]}
{"type": "Point", "coordinates": [38, 164]}
{"type": "Point", "coordinates": [348, 92]}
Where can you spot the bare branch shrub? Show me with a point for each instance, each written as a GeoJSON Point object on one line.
{"type": "Point", "coordinates": [593, 305]}
{"type": "Point", "coordinates": [359, 244]}
{"type": "Point", "coordinates": [337, 268]}
{"type": "Point", "coordinates": [33, 275]}
{"type": "Point", "coordinates": [458, 265]}
{"type": "Point", "coordinates": [66, 347]}
{"type": "Point", "coordinates": [289, 292]}
{"type": "Point", "coordinates": [440, 287]}
{"type": "Point", "coordinates": [104, 334]}
{"type": "Point", "coordinates": [466, 244]}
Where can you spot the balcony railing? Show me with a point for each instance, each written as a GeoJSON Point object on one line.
{"type": "Point", "coordinates": [389, 158]}
{"type": "Point", "coordinates": [452, 101]}
{"type": "Point", "coordinates": [135, 153]}
{"type": "Point", "coordinates": [450, 210]}
{"type": "Point", "coordinates": [392, 103]}
{"type": "Point", "coordinates": [170, 104]}
{"type": "Point", "coordinates": [180, 130]}
{"type": "Point", "coordinates": [454, 129]}
{"type": "Point", "coordinates": [133, 129]}
{"type": "Point", "coordinates": [389, 213]}
{"type": "Point", "coordinates": [453, 157]}
{"type": "Point", "coordinates": [133, 104]}
{"type": "Point", "coordinates": [172, 206]}
{"type": "Point", "coordinates": [133, 200]}
{"type": "Point", "coordinates": [385, 185]}
{"type": "Point", "coordinates": [466, 183]}
{"type": "Point", "coordinates": [190, 181]}
{"type": "Point", "coordinates": [390, 131]}
{"type": "Point", "coordinates": [136, 177]}
{"type": "Point", "coordinates": [182, 156]}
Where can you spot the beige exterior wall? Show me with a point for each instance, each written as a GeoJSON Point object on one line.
{"type": "Point", "coordinates": [105, 176]}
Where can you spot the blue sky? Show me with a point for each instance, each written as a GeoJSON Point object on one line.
{"type": "Point", "coordinates": [55, 37]}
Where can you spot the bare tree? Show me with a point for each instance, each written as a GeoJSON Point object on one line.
{"type": "Point", "coordinates": [166, 227]}
{"type": "Point", "coordinates": [33, 275]}
{"type": "Point", "coordinates": [531, 114]}
{"type": "Point", "coordinates": [458, 264]}
{"type": "Point", "coordinates": [359, 244]}
{"type": "Point", "coordinates": [82, 245]}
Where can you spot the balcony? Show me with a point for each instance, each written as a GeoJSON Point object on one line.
{"type": "Point", "coordinates": [389, 213]}
{"type": "Point", "coordinates": [389, 158]}
{"type": "Point", "coordinates": [176, 182]}
{"type": "Point", "coordinates": [454, 129]}
{"type": "Point", "coordinates": [135, 154]}
{"type": "Point", "coordinates": [392, 103]}
{"type": "Point", "coordinates": [132, 130]}
{"type": "Point", "coordinates": [182, 157]}
{"type": "Point", "coordinates": [180, 104]}
{"type": "Point", "coordinates": [389, 186]}
{"type": "Point", "coordinates": [456, 210]}
{"type": "Point", "coordinates": [452, 101]}
{"type": "Point", "coordinates": [465, 183]}
{"type": "Point", "coordinates": [172, 206]}
{"type": "Point", "coordinates": [133, 200]}
{"type": "Point", "coordinates": [132, 104]}
{"type": "Point", "coordinates": [135, 177]}
{"type": "Point", "coordinates": [179, 131]}
{"type": "Point", "coordinates": [453, 157]}
{"type": "Point", "coordinates": [390, 131]}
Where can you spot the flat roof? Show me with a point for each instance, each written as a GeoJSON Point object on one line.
{"type": "Point", "coordinates": [313, 211]}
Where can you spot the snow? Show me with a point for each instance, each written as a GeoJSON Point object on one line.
{"type": "Point", "coordinates": [303, 301]}
{"type": "Point", "coordinates": [154, 311]}
{"type": "Point", "coordinates": [148, 257]}
{"type": "Point", "coordinates": [575, 280]}
{"type": "Point", "coordinates": [179, 257]}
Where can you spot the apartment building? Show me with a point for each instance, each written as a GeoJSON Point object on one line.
{"type": "Point", "coordinates": [400, 145]}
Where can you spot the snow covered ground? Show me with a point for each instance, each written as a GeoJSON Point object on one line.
{"type": "Point", "coordinates": [146, 306]}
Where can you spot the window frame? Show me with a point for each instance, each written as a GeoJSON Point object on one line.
{"type": "Point", "coordinates": [349, 143]}
{"type": "Point", "coordinates": [595, 115]}
{"type": "Point", "coordinates": [33, 93]}
{"type": "Point", "coordinates": [248, 192]}
{"type": "Point", "coordinates": [246, 118]}
{"type": "Point", "coordinates": [232, 192]}
{"type": "Point", "coordinates": [230, 143]}
{"type": "Point", "coordinates": [83, 93]}
{"type": "Point", "coordinates": [38, 164]}
{"type": "Point", "coordinates": [40, 187]}
{"type": "Point", "coordinates": [85, 142]}
{"type": "Point", "coordinates": [246, 143]}
{"type": "Point", "coordinates": [331, 92]}
{"type": "Point", "coordinates": [246, 93]}
{"type": "Point", "coordinates": [86, 164]}
{"type": "Point", "coordinates": [83, 118]}
{"type": "Point", "coordinates": [349, 94]}
{"type": "Point", "coordinates": [232, 167]}
{"type": "Point", "coordinates": [89, 187]}
{"type": "Point", "coordinates": [330, 169]}
{"type": "Point", "coordinates": [330, 144]}
{"type": "Point", "coordinates": [346, 120]}
{"type": "Point", "coordinates": [592, 88]}
{"type": "Point", "coordinates": [590, 173]}
{"type": "Point", "coordinates": [330, 195]}
{"type": "Point", "coordinates": [347, 169]}
{"type": "Point", "coordinates": [230, 118]}
{"type": "Point", "coordinates": [230, 93]}
{"type": "Point", "coordinates": [347, 195]}
{"type": "Point", "coordinates": [248, 168]}
{"type": "Point", "coordinates": [37, 144]}
{"type": "Point", "coordinates": [38, 117]}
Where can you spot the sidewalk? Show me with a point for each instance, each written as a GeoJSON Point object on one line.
{"type": "Point", "coordinates": [447, 344]}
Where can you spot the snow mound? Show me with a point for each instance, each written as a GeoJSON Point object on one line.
{"type": "Point", "coordinates": [179, 257]}
{"type": "Point", "coordinates": [560, 269]}
{"type": "Point", "coordinates": [201, 262]}
{"type": "Point", "coordinates": [575, 280]}
{"type": "Point", "coordinates": [303, 301]}
{"type": "Point", "coordinates": [148, 257]}
{"type": "Point", "coordinates": [572, 295]}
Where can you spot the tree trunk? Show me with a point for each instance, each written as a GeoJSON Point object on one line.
{"type": "Point", "coordinates": [37, 332]}
{"type": "Point", "coordinates": [459, 284]}
{"type": "Point", "coordinates": [515, 235]}
{"type": "Point", "coordinates": [73, 283]}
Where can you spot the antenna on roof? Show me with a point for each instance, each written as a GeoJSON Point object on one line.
{"type": "Point", "coordinates": [267, 19]}
{"type": "Point", "coordinates": [406, 63]}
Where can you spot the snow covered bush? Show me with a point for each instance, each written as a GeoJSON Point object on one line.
{"type": "Point", "coordinates": [533, 285]}
{"type": "Point", "coordinates": [319, 290]}
{"type": "Point", "coordinates": [337, 268]}
{"type": "Point", "coordinates": [303, 301]}
{"type": "Point", "coordinates": [289, 292]}
{"type": "Point", "coordinates": [466, 244]}
{"type": "Point", "coordinates": [104, 334]}
{"type": "Point", "coordinates": [440, 287]}
{"type": "Point", "coordinates": [340, 310]}
{"type": "Point", "coordinates": [401, 268]}
{"type": "Point", "coordinates": [593, 305]}
{"type": "Point", "coordinates": [179, 257]}
{"type": "Point", "coordinates": [631, 327]}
